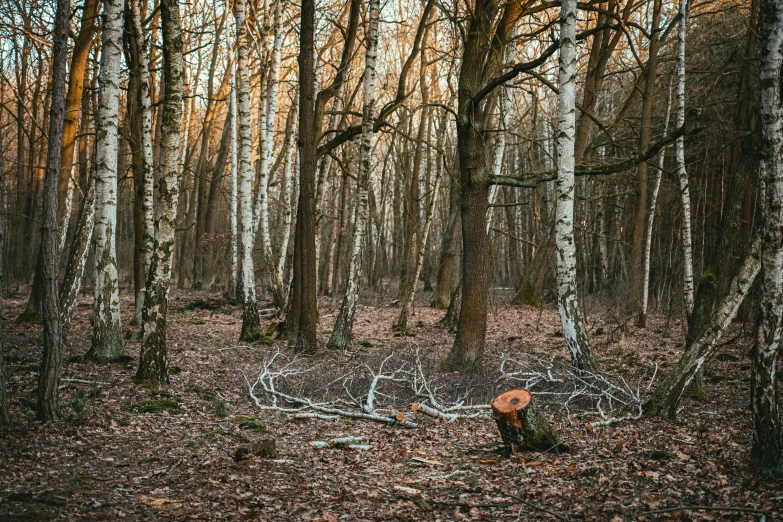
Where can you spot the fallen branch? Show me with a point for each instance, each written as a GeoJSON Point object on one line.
{"type": "Point", "coordinates": [306, 408]}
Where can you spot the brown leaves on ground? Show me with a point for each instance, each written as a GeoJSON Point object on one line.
{"type": "Point", "coordinates": [127, 452]}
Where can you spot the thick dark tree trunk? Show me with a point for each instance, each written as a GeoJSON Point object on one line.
{"type": "Point", "coordinates": [472, 326]}
{"type": "Point", "coordinates": [49, 378]}
{"type": "Point", "coordinates": [302, 327]}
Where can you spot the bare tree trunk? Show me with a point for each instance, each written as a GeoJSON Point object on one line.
{"type": "Point", "coordinates": [107, 338]}
{"type": "Point", "coordinates": [514, 257]}
{"type": "Point", "coordinates": [201, 246]}
{"type": "Point", "coordinates": [565, 244]}
{"type": "Point", "coordinates": [325, 169]}
{"type": "Point", "coordinates": [51, 361]}
{"type": "Point", "coordinates": [482, 57]}
{"type": "Point", "coordinates": [140, 119]}
{"type": "Point", "coordinates": [231, 290]}
{"type": "Point", "coordinates": [77, 256]}
{"type": "Point", "coordinates": [640, 211]}
{"type": "Point", "coordinates": [213, 201]}
{"type": "Point", "coordinates": [287, 198]}
{"type": "Point", "coordinates": [65, 215]}
{"type": "Point", "coordinates": [153, 364]}
{"type": "Point", "coordinates": [247, 280]}
{"type": "Point", "coordinates": [651, 219]}
{"type": "Point", "coordinates": [343, 327]}
{"type": "Point", "coordinates": [682, 173]}
{"type": "Point", "coordinates": [304, 311]}
{"type": "Point", "coordinates": [666, 398]}
{"type": "Point", "coordinates": [767, 449]}
{"type": "Point", "coordinates": [407, 305]}
{"type": "Point", "coordinates": [82, 45]}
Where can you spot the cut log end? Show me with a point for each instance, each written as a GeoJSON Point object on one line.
{"type": "Point", "coordinates": [522, 426]}
{"type": "Point", "coordinates": [507, 406]}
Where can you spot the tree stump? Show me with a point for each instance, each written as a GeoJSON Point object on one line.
{"type": "Point", "coordinates": [265, 448]}
{"type": "Point", "coordinates": [522, 426]}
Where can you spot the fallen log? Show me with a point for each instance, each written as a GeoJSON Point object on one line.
{"type": "Point", "coordinates": [522, 425]}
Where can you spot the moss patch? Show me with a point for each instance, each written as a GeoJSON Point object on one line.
{"type": "Point", "coordinates": [159, 405]}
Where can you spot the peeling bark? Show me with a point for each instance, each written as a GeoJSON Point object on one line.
{"type": "Point", "coordinates": [247, 280]}
{"type": "Point", "coordinates": [343, 327]}
{"type": "Point", "coordinates": [108, 342]}
{"type": "Point", "coordinates": [565, 243]}
{"type": "Point", "coordinates": [666, 398]}
{"type": "Point", "coordinates": [153, 364]}
{"type": "Point", "coordinates": [767, 447]}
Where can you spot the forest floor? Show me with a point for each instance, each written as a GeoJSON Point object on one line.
{"type": "Point", "coordinates": [115, 457]}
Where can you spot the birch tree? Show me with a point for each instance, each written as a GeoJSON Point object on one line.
{"type": "Point", "coordinates": [767, 447]}
{"type": "Point", "coordinates": [565, 245]}
{"type": "Point", "coordinates": [261, 210]}
{"type": "Point", "coordinates": [107, 337]}
{"type": "Point", "coordinates": [246, 287]}
{"type": "Point", "coordinates": [153, 364]}
{"type": "Point", "coordinates": [77, 256]}
{"type": "Point", "coordinates": [343, 326]}
{"type": "Point", "coordinates": [665, 400]}
{"type": "Point", "coordinates": [232, 273]}
{"type": "Point", "coordinates": [682, 173]}
{"type": "Point", "coordinates": [140, 118]}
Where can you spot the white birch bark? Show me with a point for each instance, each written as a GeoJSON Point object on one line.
{"type": "Point", "coordinates": [65, 219]}
{"type": "Point", "coordinates": [145, 106]}
{"type": "Point", "coordinates": [651, 220]}
{"type": "Point", "coordinates": [153, 363]}
{"type": "Point", "coordinates": [287, 197]}
{"type": "Point", "coordinates": [567, 297]}
{"type": "Point", "coordinates": [343, 327]}
{"type": "Point", "coordinates": [261, 210]}
{"type": "Point", "coordinates": [767, 448]}
{"type": "Point", "coordinates": [77, 257]}
{"type": "Point", "coordinates": [263, 165]}
{"type": "Point", "coordinates": [665, 400]}
{"type": "Point", "coordinates": [247, 280]}
{"type": "Point", "coordinates": [107, 338]}
{"type": "Point", "coordinates": [682, 173]}
{"type": "Point", "coordinates": [232, 282]}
